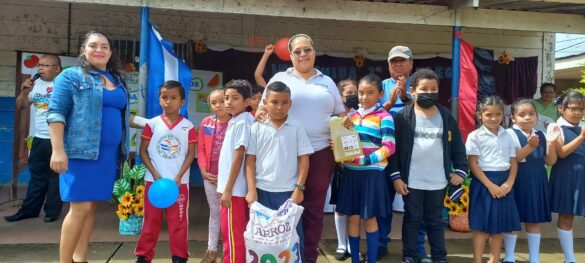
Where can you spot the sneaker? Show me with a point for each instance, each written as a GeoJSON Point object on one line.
{"type": "Point", "coordinates": [209, 256]}
{"type": "Point", "coordinates": [408, 260]}
{"type": "Point", "coordinates": [141, 259]}
{"type": "Point", "coordinates": [425, 260]}
{"type": "Point", "coordinates": [341, 254]}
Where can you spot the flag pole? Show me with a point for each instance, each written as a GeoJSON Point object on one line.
{"type": "Point", "coordinates": [143, 69]}
{"type": "Point", "coordinates": [455, 70]}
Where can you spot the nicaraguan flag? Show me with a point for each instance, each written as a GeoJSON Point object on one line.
{"type": "Point", "coordinates": [163, 65]}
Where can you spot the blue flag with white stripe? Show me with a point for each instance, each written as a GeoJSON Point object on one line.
{"type": "Point", "coordinates": [162, 65]}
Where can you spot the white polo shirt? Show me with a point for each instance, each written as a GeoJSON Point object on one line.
{"type": "Point", "coordinates": [236, 135]}
{"type": "Point", "coordinates": [276, 151]}
{"type": "Point", "coordinates": [168, 146]}
{"type": "Point", "coordinates": [493, 151]}
{"type": "Point", "coordinates": [313, 102]}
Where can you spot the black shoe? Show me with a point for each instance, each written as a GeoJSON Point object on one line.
{"type": "Point", "coordinates": [382, 252]}
{"type": "Point", "coordinates": [17, 217]}
{"type": "Point", "coordinates": [341, 254]}
{"type": "Point", "coordinates": [49, 219]}
{"type": "Point", "coordinates": [176, 259]}
{"type": "Point", "coordinates": [141, 259]}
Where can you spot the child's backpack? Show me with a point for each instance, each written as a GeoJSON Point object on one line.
{"type": "Point", "coordinates": [271, 235]}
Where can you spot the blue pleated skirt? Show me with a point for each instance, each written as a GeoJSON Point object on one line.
{"type": "Point", "coordinates": [492, 215]}
{"type": "Point", "coordinates": [364, 193]}
{"type": "Point", "coordinates": [531, 193]}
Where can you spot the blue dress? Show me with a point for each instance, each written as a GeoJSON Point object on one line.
{"type": "Point", "coordinates": [492, 215]}
{"type": "Point", "coordinates": [531, 186]}
{"type": "Point", "coordinates": [567, 178]}
{"type": "Point", "coordinates": [93, 180]}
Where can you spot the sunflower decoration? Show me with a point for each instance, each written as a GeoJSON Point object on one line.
{"type": "Point", "coordinates": [200, 47]}
{"type": "Point", "coordinates": [359, 60]}
{"type": "Point", "coordinates": [505, 58]}
{"type": "Point", "coordinates": [460, 205]}
{"type": "Point", "coordinates": [129, 192]}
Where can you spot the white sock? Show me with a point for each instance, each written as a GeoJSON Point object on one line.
{"type": "Point", "coordinates": [341, 227]}
{"type": "Point", "coordinates": [566, 239]}
{"type": "Point", "coordinates": [533, 247]}
{"type": "Point", "coordinates": [510, 246]}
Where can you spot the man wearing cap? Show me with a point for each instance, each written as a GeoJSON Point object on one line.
{"type": "Point", "coordinates": [396, 94]}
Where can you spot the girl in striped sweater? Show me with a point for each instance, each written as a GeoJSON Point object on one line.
{"type": "Point", "coordinates": [363, 191]}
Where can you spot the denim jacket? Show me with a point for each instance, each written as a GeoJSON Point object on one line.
{"type": "Point", "coordinates": [77, 102]}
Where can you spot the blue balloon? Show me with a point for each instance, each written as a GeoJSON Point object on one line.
{"type": "Point", "coordinates": [163, 193]}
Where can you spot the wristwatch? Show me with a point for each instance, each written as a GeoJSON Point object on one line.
{"type": "Point", "coordinates": [300, 187]}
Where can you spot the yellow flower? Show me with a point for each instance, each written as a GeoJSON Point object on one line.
{"type": "Point", "coordinates": [139, 210]}
{"type": "Point", "coordinates": [140, 190]}
{"type": "Point", "coordinates": [126, 200]}
{"type": "Point", "coordinates": [138, 200]}
{"type": "Point", "coordinates": [447, 202]}
{"type": "Point", "coordinates": [121, 214]}
{"type": "Point", "coordinates": [464, 200]}
{"type": "Point", "coordinates": [466, 190]}
{"type": "Point", "coordinates": [453, 209]}
{"type": "Point", "coordinates": [464, 209]}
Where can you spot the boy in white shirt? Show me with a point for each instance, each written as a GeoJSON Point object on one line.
{"type": "Point", "coordinates": [167, 150]}
{"type": "Point", "coordinates": [231, 182]}
{"type": "Point", "coordinates": [277, 158]}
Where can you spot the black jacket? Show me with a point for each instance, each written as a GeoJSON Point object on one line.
{"type": "Point", "coordinates": [454, 156]}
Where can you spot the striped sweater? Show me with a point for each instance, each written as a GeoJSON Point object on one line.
{"type": "Point", "coordinates": [376, 131]}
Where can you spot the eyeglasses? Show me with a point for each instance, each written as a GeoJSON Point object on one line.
{"type": "Point", "coordinates": [576, 110]}
{"type": "Point", "coordinates": [45, 66]}
{"type": "Point", "coordinates": [299, 52]}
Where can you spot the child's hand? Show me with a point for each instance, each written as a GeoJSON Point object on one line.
{"type": "Point", "coordinates": [456, 179]}
{"type": "Point", "coordinates": [505, 188]}
{"type": "Point", "coordinates": [210, 177]}
{"type": "Point", "coordinates": [331, 143]}
{"type": "Point", "coordinates": [553, 132]}
{"type": "Point", "coordinates": [269, 49]}
{"type": "Point", "coordinates": [582, 132]}
{"type": "Point", "coordinates": [226, 199]}
{"type": "Point", "coordinates": [347, 122]}
{"type": "Point", "coordinates": [156, 176]}
{"type": "Point", "coordinates": [178, 180]}
{"type": "Point", "coordinates": [494, 190]}
{"type": "Point", "coordinates": [298, 196]}
{"type": "Point", "coordinates": [533, 140]}
{"type": "Point", "coordinates": [400, 187]}
{"type": "Point", "coordinates": [251, 197]}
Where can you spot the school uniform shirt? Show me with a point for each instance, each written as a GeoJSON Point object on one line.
{"type": "Point", "coordinates": [40, 96]}
{"type": "Point", "coordinates": [168, 146]}
{"type": "Point", "coordinates": [276, 151]}
{"type": "Point", "coordinates": [493, 151]}
{"type": "Point", "coordinates": [236, 136]}
{"type": "Point", "coordinates": [562, 122]}
{"type": "Point", "coordinates": [314, 101]}
{"type": "Point", "coordinates": [428, 146]}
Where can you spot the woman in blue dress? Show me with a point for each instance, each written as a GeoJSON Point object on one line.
{"type": "Point", "coordinates": [88, 122]}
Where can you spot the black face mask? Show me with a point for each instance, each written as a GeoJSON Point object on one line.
{"type": "Point", "coordinates": [427, 100]}
{"type": "Point", "coordinates": [351, 101]}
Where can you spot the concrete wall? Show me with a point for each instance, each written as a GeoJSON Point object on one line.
{"type": "Point", "coordinates": [43, 27]}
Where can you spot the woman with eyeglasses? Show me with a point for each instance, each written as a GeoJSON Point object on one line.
{"type": "Point", "coordinates": [89, 126]}
{"type": "Point", "coordinates": [315, 99]}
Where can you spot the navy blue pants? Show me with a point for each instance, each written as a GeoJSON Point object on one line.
{"type": "Point", "coordinates": [385, 223]}
{"type": "Point", "coordinates": [423, 206]}
{"type": "Point", "coordinates": [43, 186]}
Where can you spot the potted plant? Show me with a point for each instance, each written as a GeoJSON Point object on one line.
{"type": "Point", "coordinates": [129, 197]}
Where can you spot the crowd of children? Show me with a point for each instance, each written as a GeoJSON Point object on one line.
{"type": "Point", "coordinates": [421, 151]}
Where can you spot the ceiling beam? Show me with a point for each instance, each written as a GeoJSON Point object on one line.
{"type": "Point", "coordinates": [373, 12]}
